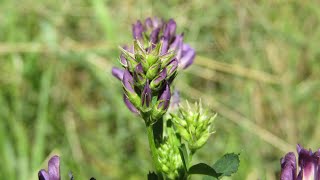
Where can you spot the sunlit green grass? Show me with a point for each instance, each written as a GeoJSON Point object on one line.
{"type": "Point", "coordinates": [257, 66]}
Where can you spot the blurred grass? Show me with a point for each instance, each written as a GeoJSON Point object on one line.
{"type": "Point", "coordinates": [257, 66]}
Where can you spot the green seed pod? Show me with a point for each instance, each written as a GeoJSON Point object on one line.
{"type": "Point", "coordinates": [194, 125]}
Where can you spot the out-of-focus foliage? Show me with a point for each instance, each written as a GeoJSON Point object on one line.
{"type": "Point", "coordinates": [257, 66]}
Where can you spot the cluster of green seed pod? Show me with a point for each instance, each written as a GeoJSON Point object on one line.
{"type": "Point", "coordinates": [194, 125]}
{"type": "Point", "coordinates": [169, 156]}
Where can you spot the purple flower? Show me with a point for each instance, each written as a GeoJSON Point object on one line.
{"type": "Point", "coordinates": [188, 55]}
{"type": "Point", "coordinates": [146, 95]}
{"type": "Point", "coordinates": [308, 162]}
{"type": "Point", "coordinates": [139, 75]}
{"type": "Point", "coordinates": [164, 98]}
{"type": "Point", "coordinates": [137, 30]}
{"type": "Point", "coordinates": [157, 30]}
{"type": "Point", "coordinates": [130, 106]}
{"type": "Point", "coordinates": [127, 81]}
{"type": "Point", "coordinates": [151, 64]}
{"type": "Point", "coordinates": [157, 81]}
{"type": "Point", "coordinates": [172, 67]}
{"type": "Point", "coordinates": [118, 73]}
{"type": "Point", "coordinates": [53, 172]}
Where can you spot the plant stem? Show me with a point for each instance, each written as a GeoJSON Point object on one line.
{"type": "Point", "coordinates": [155, 138]}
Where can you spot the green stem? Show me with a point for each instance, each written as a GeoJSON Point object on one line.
{"type": "Point", "coordinates": [155, 138]}
{"type": "Point", "coordinates": [153, 148]}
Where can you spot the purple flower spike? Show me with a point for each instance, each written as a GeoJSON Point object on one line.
{"type": "Point", "coordinates": [146, 95]}
{"type": "Point", "coordinates": [127, 81]}
{"type": "Point", "coordinates": [164, 99]}
{"type": "Point", "coordinates": [137, 30]}
{"type": "Point", "coordinates": [130, 106]}
{"type": "Point", "coordinates": [118, 73]}
{"type": "Point", "coordinates": [307, 161]}
{"type": "Point", "coordinates": [53, 170]}
{"type": "Point", "coordinates": [188, 55]}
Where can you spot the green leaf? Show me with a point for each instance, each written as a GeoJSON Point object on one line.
{"type": "Point", "coordinates": [203, 169]}
{"type": "Point", "coordinates": [184, 156]}
{"type": "Point", "coordinates": [227, 164]}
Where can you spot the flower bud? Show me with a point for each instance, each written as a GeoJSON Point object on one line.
{"type": "Point", "coordinates": [154, 36]}
{"type": "Point", "coordinates": [157, 81]}
{"type": "Point", "coordinates": [153, 71]}
{"type": "Point", "coordinates": [128, 87]}
{"type": "Point", "coordinates": [146, 96]}
{"type": "Point", "coordinates": [130, 106]}
{"type": "Point", "coordinates": [170, 28]}
{"type": "Point", "coordinates": [139, 76]}
{"type": "Point", "coordinates": [137, 30]}
{"type": "Point", "coordinates": [130, 57]}
{"type": "Point", "coordinates": [172, 68]}
{"type": "Point", "coordinates": [162, 103]}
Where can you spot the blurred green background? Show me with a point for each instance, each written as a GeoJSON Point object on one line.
{"type": "Point", "coordinates": [258, 67]}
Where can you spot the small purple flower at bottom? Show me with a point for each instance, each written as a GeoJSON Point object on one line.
{"type": "Point", "coordinates": [308, 162]}
{"type": "Point", "coordinates": [53, 172]}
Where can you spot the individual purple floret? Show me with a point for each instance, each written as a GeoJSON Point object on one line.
{"type": "Point", "coordinates": [308, 162]}
{"type": "Point", "coordinates": [53, 172]}
{"type": "Point", "coordinates": [146, 95]}
{"type": "Point", "coordinates": [164, 98]}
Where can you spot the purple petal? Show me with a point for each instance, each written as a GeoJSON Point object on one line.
{"type": "Point", "coordinates": [172, 67]}
{"type": "Point", "coordinates": [188, 55]}
{"type": "Point", "coordinates": [130, 106]}
{"type": "Point", "coordinates": [308, 163]}
{"type": "Point", "coordinates": [137, 30]}
{"type": "Point", "coordinates": [146, 95]}
{"type": "Point", "coordinates": [127, 81]}
{"type": "Point", "coordinates": [170, 29]}
{"type": "Point", "coordinates": [176, 46]}
{"type": "Point", "coordinates": [54, 168]}
{"type": "Point", "coordinates": [162, 75]}
{"type": "Point", "coordinates": [164, 98]}
{"type": "Point", "coordinates": [288, 167]}
{"type": "Point", "coordinates": [43, 175]}
{"type": "Point", "coordinates": [118, 73]}
{"type": "Point", "coordinates": [175, 100]}
{"type": "Point", "coordinates": [123, 61]}
{"type": "Point", "coordinates": [157, 22]}
{"type": "Point", "coordinates": [148, 23]}
{"type": "Point", "coordinates": [165, 45]}
{"type": "Point", "coordinates": [317, 156]}
{"type": "Point", "coordinates": [138, 73]}
{"type": "Point", "coordinates": [154, 36]}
